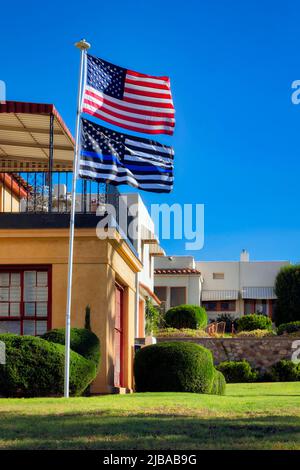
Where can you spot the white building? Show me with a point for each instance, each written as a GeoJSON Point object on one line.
{"type": "Point", "coordinates": [234, 287]}
{"type": "Point", "coordinates": [177, 281]}
{"type": "Point", "coordinates": [143, 238]}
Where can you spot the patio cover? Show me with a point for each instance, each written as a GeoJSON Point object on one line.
{"type": "Point", "coordinates": [29, 134]}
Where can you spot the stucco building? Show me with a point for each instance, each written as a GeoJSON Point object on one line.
{"type": "Point", "coordinates": [233, 287]}
{"type": "Point", "coordinates": [34, 237]}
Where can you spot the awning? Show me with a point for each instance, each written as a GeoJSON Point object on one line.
{"type": "Point", "coordinates": [220, 295]}
{"type": "Point", "coordinates": [25, 136]}
{"type": "Point", "coordinates": [267, 293]}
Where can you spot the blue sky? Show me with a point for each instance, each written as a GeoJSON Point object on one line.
{"type": "Point", "coordinates": [231, 66]}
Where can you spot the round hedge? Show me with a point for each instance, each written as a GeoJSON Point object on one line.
{"type": "Point", "coordinates": [174, 367]}
{"type": "Point", "coordinates": [35, 368]}
{"type": "Point", "coordinates": [219, 383]}
{"type": "Point", "coordinates": [237, 371]}
{"type": "Point", "coordinates": [186, 316]}
{"type": "Point", "coordinates": [287, 328]}
{"type": "Point", "coordinates": [82, 341]}
{"type": "Point", "coordinates": [254, 322]}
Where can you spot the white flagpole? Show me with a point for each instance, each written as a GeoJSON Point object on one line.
{"type": "Point", "coordinates": [83, 46]}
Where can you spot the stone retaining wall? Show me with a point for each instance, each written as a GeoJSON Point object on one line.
{"type": "Point", "coordinates": [259, 352]}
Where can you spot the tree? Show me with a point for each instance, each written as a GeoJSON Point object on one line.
{"type": "Point", "coordinates": [287, 289]}
{"type": "Point", "coordinates": [152, 317]}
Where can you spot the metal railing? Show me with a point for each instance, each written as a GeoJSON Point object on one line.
{"type": "Point", "coordinates": [36, 192]}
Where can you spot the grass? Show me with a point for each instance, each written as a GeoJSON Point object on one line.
{"type": "Point", "coordinates": [250, 416]}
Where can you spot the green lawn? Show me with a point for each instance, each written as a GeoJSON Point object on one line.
{"type": "Point", "coordinates": [250, 416]}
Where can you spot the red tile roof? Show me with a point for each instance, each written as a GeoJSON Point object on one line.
{"type": "Point", "coordinates": [177, 271]}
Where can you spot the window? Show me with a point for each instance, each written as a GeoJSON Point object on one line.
{"type": "Point", "coordinates": [161, 293]}
{"type": "Point", "coordinates": [217, 306]}
{"type": "Point", "coordinates": [228, 306]}
{"type": "Point", "coordinates": [210, 306]}
{"type": "Point", "coordinates": [178, 296]}
{"type": "Point", "coordinates": [218, 275]}
{"type": "Point", "coordinates": [24, 301]}
{"type": "Point", "coordinates": [256, 306]}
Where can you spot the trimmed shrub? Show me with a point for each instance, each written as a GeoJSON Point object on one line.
{"type": "Point", "coordinates": [254, 322]}
{"type": "Point", "coordinates": [82, 341]}
{"type": "Point", "coordinates": [35, 368]}
{"type": "Point", "coordinates": [288, 328]}
{"type": "Point", "coordinates": [186, 316]}
{"type": "Point", "coordinates": [287, 289]}
{"type": "Point", "coordinates": [285, 371]}
{"type": "Point", "coordinates": [237, 371]}
{"type": "Point", "coordinates": [174, 367]}
{"type": "Point", "coordinates": [255, 334]}
{"type": "Point", "coordinates": [219, 383]}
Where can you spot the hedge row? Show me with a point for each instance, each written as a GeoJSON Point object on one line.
{"type": "Point", "coordinates": [241, 371]}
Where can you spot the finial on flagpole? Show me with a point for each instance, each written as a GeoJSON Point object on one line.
{"type": "Point", "coordinates": [82, 45]}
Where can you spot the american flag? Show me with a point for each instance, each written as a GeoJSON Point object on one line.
{"type": "Point", "coordinates": [108, 156]}
{"type": "Point", "coordinates": [128, 99]}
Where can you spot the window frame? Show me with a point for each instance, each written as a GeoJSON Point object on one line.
{"type": "Point", "coordinates": [217, 276]}
{"type": "Point", "coordinates": [21, 318]}
{"type": "Point", "coordinates": [161, 287]}
{"type": "Point", "coordinates": [218, 305]}
{"type": "Point", "coordinates": [185, 295]}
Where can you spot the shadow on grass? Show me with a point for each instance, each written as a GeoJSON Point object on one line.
{"type": "Point", "coordinates": [101, 431]}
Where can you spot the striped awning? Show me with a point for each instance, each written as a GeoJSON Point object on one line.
{"type": "Point", "coordinates": [220, 295]}
{"type": "Point", "coordinates": [267, 293]}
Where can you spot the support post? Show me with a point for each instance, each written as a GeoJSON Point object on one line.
{"type": "Point", "coordinates": [83, 46]}
{"type": "Point", "coordinates": [50, 168]}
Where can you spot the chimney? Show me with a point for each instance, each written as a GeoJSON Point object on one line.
{"type": "Point", "coordinates": [244, 257]}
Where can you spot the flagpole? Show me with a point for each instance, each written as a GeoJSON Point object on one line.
{"type": "Point", "coordinates": [83, 46]}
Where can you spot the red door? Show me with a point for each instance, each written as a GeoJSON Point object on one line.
{"type": "Point", "coordinates": [118, 359]}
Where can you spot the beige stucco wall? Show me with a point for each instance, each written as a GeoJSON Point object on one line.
{"type": "Point", "coordinates": [191, 283]}
{"type": "Point", "coordinates": [9, 202]}
{"type": "Point", "coordinates": [97, 264]}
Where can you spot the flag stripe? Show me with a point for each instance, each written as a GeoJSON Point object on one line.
{"type": "Point", "coordinates": [120, 115]}
{"type": "Point", "coordinates": [147, 78]}
{"type": "Point", "coordinates": [151, 148]}
{"type": "Point", "coordinates": [125, 178]}
{"type": "Point", "coordinates": [141, 82]}
{"type": "Point", "coordinates": [130, 107]}
{"type": "Point", "coordinates": [136, 128]}
{"type": "Point", "coordinates": [154, 98]}
{"type": "Point", "coordinates": [129, 158]}
{"type": "Point", "coordinates": [146, 90]}
{"type": "Point", "coordinates": [141, 169]}
{"type": "Point", "coordinates": [92, 101]}
{"type": "Point", "coordinates": [154, 104]}
{"type": "Point", "coordinates": [113, 169]}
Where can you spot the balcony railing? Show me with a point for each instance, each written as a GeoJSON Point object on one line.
{"type": "Point", "coordinates": [33, 192]}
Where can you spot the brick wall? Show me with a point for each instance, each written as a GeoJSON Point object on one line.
{"type": "Point", "coordinates": [259, 352]}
